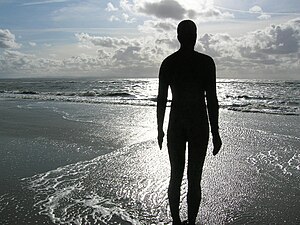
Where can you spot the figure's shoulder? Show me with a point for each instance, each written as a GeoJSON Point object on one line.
{"type": "Point", "coordinates": [171, 58]}
{"type": "Point", "coordinates": [204, 57]}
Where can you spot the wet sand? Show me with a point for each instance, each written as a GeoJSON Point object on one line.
{"type": "Point", "coordinates": [99, 164]}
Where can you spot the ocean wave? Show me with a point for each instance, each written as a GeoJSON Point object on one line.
{"type": "Point", "coordinates": [248, 97]}
{"type": "Point", "coordinates": [27, 92]}
{"type": "Point", "coordinates": [118, 94]}
{"type": "Point", "coordinates": [277, 110]}
{"type": "Point", "coordinates": [87, 94]}
{"type": "Point", "coordinates": [271, 97]}
{"type": "Point", "coordinates": [96, 94]}
{"type": "Point", "coordinates": [286, 108]}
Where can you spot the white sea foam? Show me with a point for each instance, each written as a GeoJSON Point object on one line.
{"type": "Point", "coordinates": [280, 160]}
{"type": "Point", "coordinates": [114, 188]}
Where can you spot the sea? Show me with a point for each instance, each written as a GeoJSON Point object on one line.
{"type": "Point", "coordinates": [256, 96]}
{"type": "Point", "coordinates": [84, 152]}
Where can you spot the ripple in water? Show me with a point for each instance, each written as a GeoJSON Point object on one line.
{"type": "Point", "coordinates": [128, 186]}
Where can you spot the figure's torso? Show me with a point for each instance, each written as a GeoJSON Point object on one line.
{"type": "Point", "coordinates": [187, 77]}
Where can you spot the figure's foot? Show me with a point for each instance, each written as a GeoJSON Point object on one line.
{"type": "Point", "coordinates": [181, 223]}
{"type": "Point", "coordinates": [186, 222]}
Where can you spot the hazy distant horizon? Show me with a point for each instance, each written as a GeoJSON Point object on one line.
{"type": "Point", "coordinates": [107, 77]}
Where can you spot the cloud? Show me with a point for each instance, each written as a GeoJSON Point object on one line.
{"type": "Point", "coordinates": [32, 44]}
{"type": "Point", "coordinates": [19, 63]}
{"type": "Point", "coordinates": [138, 56]}
{"type": "Point", "coordinates": [125, 5]}
{"type": "Point", "coordinates": [87, 12]}
{"type": "Point", "coordinates": [212, 14]}
{"type": "Point", "coordinates": [15, 62]}
{"type": "Point", "coordinates": [127, 18]}
{"type": "Point", "coordinates": [273, 48]}
{"type": "Point", "coordinates": [276, 39]}
{"type": "Point", "coordinates": [258, 10]}
{"type": "Point", "coordinates": [129, 53]}
{"type": "Point", "coordinates": [264, 16]}
{"type": "Point", "coordinates": [172, 9]}
{"type": "Point", "coordinates": [110, 7]}
{"type": "Point", "coordinates": [7, 39]}
{"type": "Point", "coordinates": [269, 50]}
{"type": "Point", "coordinates": [123, 49]}
{"type": "Point", "coordinates": [175, 10]}
{"type": "Point", "coordinates": [113, 18]}
{"type": "Point", "coordinates": [164, 9]}
{"type": "Point", "coordinates": [44, 2]}
{"type": "Point", "coordinates": [11, 61]}
{"type": "Point", "coordinates": [157, 26]}
{"type": "Point", "coordinates": [107, 42]}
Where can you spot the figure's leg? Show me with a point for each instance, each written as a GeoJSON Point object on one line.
{"type": "Point", "coordinates": [176, 148]}
{"type": "Point", "coordinates": [196, 156]}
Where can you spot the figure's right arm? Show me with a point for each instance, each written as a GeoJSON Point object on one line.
{"type": "Point", "coordinates": [162, 101]}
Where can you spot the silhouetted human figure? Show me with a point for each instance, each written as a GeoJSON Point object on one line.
{"type": "Point", "coordinates": [192, 79]}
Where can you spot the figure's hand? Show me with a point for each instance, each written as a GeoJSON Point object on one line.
{"type": "Point", "coordinates": [160, 138]}
{"type": "Point", "coordinates": [217, 142]}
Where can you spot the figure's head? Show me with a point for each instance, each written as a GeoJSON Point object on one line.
{"type": "Point", "coordinates": [187, 33]}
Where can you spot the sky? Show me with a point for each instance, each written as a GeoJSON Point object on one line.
{"type": "Point", "coordinates": [253, 39]}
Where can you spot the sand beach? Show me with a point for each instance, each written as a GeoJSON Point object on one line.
{"type": "Point", "coordinates": [80, 163]}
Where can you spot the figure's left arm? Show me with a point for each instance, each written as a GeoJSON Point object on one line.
{"type": "Point", "coordinates": [213, 107]}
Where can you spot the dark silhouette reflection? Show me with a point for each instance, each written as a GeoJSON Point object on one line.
{"type": "Point", "coordinates": [192, 79]}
